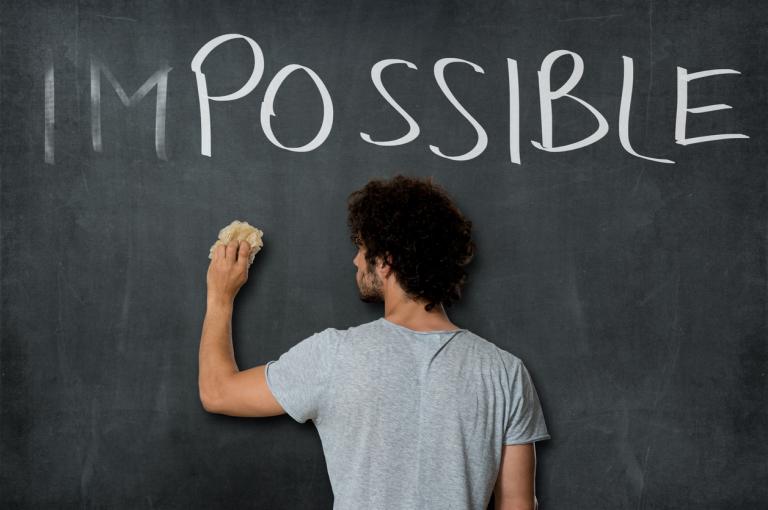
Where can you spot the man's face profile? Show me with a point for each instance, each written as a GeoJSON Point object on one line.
{"type": "Point", "coordinates": [368, 282]}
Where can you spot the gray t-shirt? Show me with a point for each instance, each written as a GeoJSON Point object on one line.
{"type": "Point", "coordinates": [408, 419]}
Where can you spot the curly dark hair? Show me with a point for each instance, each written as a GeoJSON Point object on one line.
{"type": "Point", "coordinates": [415, 222]}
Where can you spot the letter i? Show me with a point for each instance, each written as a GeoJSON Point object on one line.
{"type": "Point", "coordinates": [50, 108]}
{"type": "Point", "coordinates": [514, 111]}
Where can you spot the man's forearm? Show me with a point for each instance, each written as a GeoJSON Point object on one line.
{"type": "Point", "coordinates": [503, 505]}
{"type": "Point", "coordinates": [217, 356]}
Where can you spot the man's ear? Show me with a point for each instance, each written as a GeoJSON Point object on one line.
{"type": "Point", "coordinates": [386, 268]}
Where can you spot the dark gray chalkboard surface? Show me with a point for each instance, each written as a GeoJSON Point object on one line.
{"type": "Point", "coordinates": [629, 273]}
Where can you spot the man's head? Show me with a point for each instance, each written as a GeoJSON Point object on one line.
{"type": "Point", "coordinates": [409, 228]}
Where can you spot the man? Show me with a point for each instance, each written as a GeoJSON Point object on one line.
{"type": "Point", "coordinates": [413, 411]}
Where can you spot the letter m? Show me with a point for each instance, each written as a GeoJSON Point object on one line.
{"type": "Point", "coordinates": [159, 80]}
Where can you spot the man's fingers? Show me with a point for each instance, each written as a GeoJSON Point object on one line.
{"type": "Point", "coordinates": [218, 253]}
{"type": "Point", "coordinates": [232, 250]}
{"type": "Point", "coordinates": [244, 249]}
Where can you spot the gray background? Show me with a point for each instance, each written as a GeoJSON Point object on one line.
{"type": "Point", "coordinates": [634, 291]}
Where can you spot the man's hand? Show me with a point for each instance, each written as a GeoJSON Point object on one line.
{"type": "Point", "coordinates": [228, 271]}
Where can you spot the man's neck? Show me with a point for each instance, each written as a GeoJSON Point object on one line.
{"type": "Point", "coordinates": [412, 315]}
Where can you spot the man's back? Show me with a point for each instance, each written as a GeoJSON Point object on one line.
{"type": "Point", "coordinates": [408, 419]}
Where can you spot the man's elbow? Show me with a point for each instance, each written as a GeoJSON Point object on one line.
{"type": "Point", "coordinates": [207, 405]}
{"type": "Point", "coordinates": [209, 401]}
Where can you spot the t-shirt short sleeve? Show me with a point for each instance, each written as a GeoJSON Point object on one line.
{"type": "Point", "coordinates": [299, 379]}
{"type": "Point", "coordinates": [526, 420]}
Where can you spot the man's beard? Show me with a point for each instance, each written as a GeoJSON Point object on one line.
{"type": "Point", "coordinates": [370, 288]}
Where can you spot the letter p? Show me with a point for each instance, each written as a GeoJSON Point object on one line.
{"type": "Point", "coordinates": [202, 84]}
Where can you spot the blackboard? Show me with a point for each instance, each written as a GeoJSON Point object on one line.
{"type": "Point", "coordinates": [629, 273]}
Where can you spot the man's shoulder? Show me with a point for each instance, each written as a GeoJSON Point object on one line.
{"type": "Point", "coordinates": [349, 333]}
{"type": "Point", "coordinates": [357, 329]}
{"type": "Point", "coordinates": [490, 349]}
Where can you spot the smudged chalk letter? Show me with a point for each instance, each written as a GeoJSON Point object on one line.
{"type": "Point", "coordinates": [159, 79]}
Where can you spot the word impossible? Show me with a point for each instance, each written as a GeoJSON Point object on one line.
{"type": "Point", "coordinates": [159, 81]}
